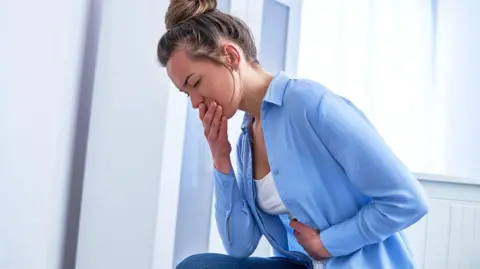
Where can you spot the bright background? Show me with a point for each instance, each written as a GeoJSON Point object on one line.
{"type": "Point", "coordinates": [103, 164]}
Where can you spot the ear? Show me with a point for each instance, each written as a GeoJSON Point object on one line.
{"type": "Point", "coordinates": [232, 55]}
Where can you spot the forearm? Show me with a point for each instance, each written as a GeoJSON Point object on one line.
{"type": "Point", "coordinates": [238, 230]}
{"type": "Point", "coordinates": [375, 222]}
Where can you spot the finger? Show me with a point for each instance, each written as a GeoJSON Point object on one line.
{"type": "Point", "coordinates": [294, 224]}
{"type": "Point", "coordinates": [215, 126]}
{"type": "Point", "coordinates": [201, 111]}
{"type": "Point", "coordinates": [223, 127]}
{"type": "Point", "coordinates": [296, 233]}
{"type": "Point", "coordinates": [207, 120]}
{"type": "Point", "coordinates": [300, 227]}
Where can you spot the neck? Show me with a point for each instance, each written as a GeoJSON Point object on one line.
{"type": "Point", "coordinates": [255, 82]}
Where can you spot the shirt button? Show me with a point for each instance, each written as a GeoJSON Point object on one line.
{"type": "Point", "coordinates": [275, 171]}
{"type": "Point", "coordinates": [225, 184]}
{"type": "Point", "coordinates": [287, 202]}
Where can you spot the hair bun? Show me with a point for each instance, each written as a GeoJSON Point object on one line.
{"type": "Point", "coordinates": [182, 10]}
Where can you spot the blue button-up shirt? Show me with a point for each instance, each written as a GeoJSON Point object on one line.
{"type": "Point", "coordinates": [333, 172]}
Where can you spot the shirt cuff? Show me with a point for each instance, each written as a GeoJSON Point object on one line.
{"type": "Point", "coordinates": [223, 189]}
{"type": "Point", "coordinates": [343, 238]}
{"type": "Point", "coordinates": [224, 180]}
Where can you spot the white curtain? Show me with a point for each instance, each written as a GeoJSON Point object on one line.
{"type": "Point", "coordinates": [378, 53]}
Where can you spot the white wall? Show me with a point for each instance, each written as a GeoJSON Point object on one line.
{"type": "Point", "coordinates": [118, 219]}
{"type": "Point", "coordinates": [40, 50]}
{"type": "Point", "coordinates": [458, 69]}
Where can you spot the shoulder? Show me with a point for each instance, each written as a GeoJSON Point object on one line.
{"type": "Point", "coordinates": [304, 96]}
{"type": "Point", "coordinates": [303, 92]}
{"type": "Point", "coordinates": [317, 104]}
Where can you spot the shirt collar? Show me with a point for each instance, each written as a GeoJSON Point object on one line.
{"type": "Point", "coordinates": [274, 95]}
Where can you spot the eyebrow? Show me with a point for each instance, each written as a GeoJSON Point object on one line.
{"type": "Point", "coordinates": [186, 80]}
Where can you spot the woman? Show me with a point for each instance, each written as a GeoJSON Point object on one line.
{"type": "Point", "coordinates": [314, 177]}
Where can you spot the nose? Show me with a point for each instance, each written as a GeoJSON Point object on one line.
{"type": "Point", "coordinates": [196, 100]}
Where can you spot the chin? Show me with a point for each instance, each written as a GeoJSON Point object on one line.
{"type": "Point", "coordinates": [230, 113]}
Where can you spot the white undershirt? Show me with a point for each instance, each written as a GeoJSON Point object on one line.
{"type": "Point", "coordinates": [268, 198]}
{"type": "Point", "coordinates": [269, 201]}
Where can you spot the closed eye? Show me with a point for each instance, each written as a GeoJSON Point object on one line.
{"type": "Point", "coordinates": [196, 83]}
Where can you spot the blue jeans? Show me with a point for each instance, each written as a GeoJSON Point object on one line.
{"type": "Point", "coordinates": [220, 261]}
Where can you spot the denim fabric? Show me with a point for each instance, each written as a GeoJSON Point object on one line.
{"type": "Point", "coordinates": [221, 261]}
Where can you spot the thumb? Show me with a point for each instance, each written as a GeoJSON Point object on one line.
{"type": "Point", "coordinates": [223, 127]}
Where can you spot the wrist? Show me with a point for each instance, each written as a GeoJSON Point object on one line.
{"type": "Point", "coordinates": [322, 251]}
{"type": "Point", "coordinates": [223, 165]}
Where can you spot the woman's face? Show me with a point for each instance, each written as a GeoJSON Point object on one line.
{"type": "Point", "coordinates": [205, 81]}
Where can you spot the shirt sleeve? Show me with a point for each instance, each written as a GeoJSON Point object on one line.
{"type": "Point", "coordinates": [397, 198]}
{"type": "Point", "coordinates": [238, 230]}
